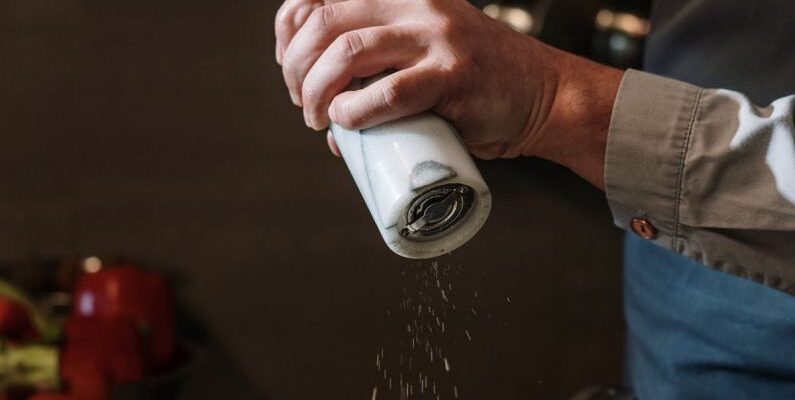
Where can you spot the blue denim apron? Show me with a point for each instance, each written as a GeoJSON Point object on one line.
{"type": "Point", "coordinates": [696, 333]}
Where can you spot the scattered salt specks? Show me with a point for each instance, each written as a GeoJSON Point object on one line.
{"type": "Point", "coordinates": [508, 299]}
{"type": "Point", "coordinates": [431, 306]}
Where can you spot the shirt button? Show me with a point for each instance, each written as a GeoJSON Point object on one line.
{"type": "Point", "coordinates": [643, 228]}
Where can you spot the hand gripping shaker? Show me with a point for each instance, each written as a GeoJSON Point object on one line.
{"type": "Point", "coordinates": [420, 184]}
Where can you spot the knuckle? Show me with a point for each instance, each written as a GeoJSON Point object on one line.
{"type": "Point", "coordinates": [392, 94]}
{"type": "Point", "coordinates": [282, 22]}
{"type": "Point", "coordinates": [281, 13]}
{"type": "Point", "coordinates": [345, 118]}
{"type": "Point", "coordinates": [456, 66]}
{"type": "Point", "coordinates": [435, 4]}
{"type": "Point", "coordinates": [351, 45]}
{"type": "Point", "coordinates": [288, 63]}
{"type": "Point", "coordinates": [310, 96]}
{"type": "Point", "coordinates": [324, 17]}
{"type": "Point", "coordinates": [446, 26]}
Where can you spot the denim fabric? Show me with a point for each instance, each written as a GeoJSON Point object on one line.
{"type": "Point", "coordinates": [696, 333]}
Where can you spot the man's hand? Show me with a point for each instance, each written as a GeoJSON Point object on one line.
{"type": "Point", "coordinates": [506, 93]}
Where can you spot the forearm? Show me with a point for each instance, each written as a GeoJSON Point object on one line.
{"type": "Point", "coordinates": [574, 133]}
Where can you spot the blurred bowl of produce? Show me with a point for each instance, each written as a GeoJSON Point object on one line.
{"type": "Point", "coordinates": [78, 328]}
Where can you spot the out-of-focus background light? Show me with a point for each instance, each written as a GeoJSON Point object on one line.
{"type": "Point", "coordinates": [627, 23]}
{"type": "Point", "coordinates": [519, 19]}
{"type": "Point", "coordinates": [612, 32]}
{"type": "Point", "coordinates": [92, 265]}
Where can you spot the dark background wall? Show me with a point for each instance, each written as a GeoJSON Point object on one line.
{"type": "Point", "coordinates": [162, 130]}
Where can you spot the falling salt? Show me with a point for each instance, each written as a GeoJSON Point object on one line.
{"type": "Point", "coordinates": [428, 308]}
{"type": "Point", "coordinates": [375, 393]}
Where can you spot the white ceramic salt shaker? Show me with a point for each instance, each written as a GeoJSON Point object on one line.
{"type": "Point", "coordinates": [419, 182]}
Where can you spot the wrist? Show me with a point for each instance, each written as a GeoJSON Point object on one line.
{"type": "Point", "coordinates": [574, 131]}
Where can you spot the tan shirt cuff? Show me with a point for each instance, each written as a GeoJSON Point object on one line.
{"type": "Point", "coordinates": [646, 147]}
{"type": "Point", "coordinates": [707, 174]}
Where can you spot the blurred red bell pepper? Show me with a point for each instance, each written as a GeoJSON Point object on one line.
{"type": "Point", "coordinates": [110, 344]}
{"type": "Point", "coordinates": [129, 292]}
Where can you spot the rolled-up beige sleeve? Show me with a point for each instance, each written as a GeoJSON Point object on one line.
{"type": "Point", "coordinates": [707, 174]}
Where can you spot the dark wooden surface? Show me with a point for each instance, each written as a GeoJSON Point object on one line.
{"type": "Point", "coordinates": [162, 130]}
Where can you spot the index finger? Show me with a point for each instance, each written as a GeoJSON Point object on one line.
{"type": "Point", "coordinates": [292, 15]}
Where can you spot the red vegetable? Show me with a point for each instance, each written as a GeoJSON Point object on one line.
{"type": "Point", "coordinates": [142, 297]}
{"type": "Point", "coordinates": [82, 381]}
{"type": "Point", "coordinates": [111, 345]}
{"type": "Point", "coordinates": [15, 321]}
